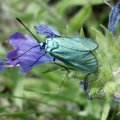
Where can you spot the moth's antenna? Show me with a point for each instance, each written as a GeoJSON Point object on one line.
{"type": "Point", "coordinates": [27, 29]}
{"type": "Point", "coordinates": [108, 4]}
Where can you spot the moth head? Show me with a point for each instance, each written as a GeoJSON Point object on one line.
{"type": "Point", "coordinates": [43, 44]}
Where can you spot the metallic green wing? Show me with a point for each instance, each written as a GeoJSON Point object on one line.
{"type": "Point", "coordinates": [71, 54]}
{"type": "Point", "coordinates": [76, 43]}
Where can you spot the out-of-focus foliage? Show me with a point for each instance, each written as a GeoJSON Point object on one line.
{"type": "Point", "coordinates": [35, 95]}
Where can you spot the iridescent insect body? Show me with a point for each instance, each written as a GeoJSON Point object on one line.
{"type": "Point", "coordinates": [73, 51]}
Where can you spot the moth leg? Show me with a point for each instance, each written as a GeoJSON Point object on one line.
{"type": "Point", "coordinates": [55, 92]}
{"type": "Point", "coordinates": [48, 70]}
{"type": "Point", "coordinates": [66, 76]}
{"type": "Point", "coordinates": [85, 84]}
{"type": "Point", "coordinates": [51, 68]}
{"type": "Point", "coordinates": [63, 67]}
{"type": "Point", "coordinates": [62, 81]}
{"type": "Point", "coordinates": [54, 59]}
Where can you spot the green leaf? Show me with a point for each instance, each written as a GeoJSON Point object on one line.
{"type": "Point", "coordinates": [18, 91]}
{"type": "Point", "coordinates": [82, 34]}
{"type": "Point", "coordinates": [80, 18]}
{"type": "Point", "coordinates": [105, 111]}
{"type": "Point", "coordinates": [64, 4]}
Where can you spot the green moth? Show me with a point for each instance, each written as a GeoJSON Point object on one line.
{"type": "Point", "coordinates": [76, 52]}
{"type": "Point", "coordinates": [73, 51]}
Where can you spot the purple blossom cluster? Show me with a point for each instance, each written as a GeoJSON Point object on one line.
{"type": "Point", "coordinates": [27, 51]}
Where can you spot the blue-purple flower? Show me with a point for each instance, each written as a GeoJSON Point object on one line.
{"type": "Point", "coordinates": [114, 18]}
{"type": "Point", "coordinates": [27, 52]}
{"type": "Point", "coordinates": [46, 30]}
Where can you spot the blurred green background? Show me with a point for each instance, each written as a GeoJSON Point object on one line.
{"type": "Point", "coordinates": [34, 95]}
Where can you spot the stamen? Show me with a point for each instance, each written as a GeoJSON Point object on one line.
{"type": "Point", "coordinates": [25, 52]}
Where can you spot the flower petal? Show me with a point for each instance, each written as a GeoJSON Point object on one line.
{"type": "Point", "coordinates": [46, 30]}
{"type": "Point", "coordinates": [26, 53]}
{"type": "Point", "coordinates": [114, 18]}
{"type": "Point", "coordinates": [17, 40]}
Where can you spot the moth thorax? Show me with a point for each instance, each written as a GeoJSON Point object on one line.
{"type": "Point", "coordinates": [51, 45]}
